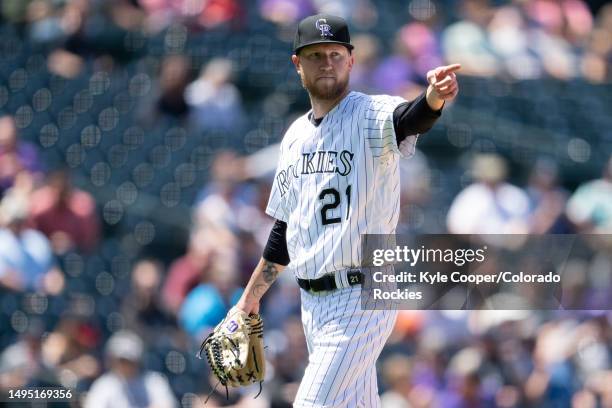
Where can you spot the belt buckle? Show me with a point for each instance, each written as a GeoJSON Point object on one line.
{"type": "Point", "coordinates": [304, 282]}
{"type": "Point", "coordinates": [308, 286]}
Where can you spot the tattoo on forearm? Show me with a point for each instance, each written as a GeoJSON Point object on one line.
{"type": "Point", "coordinates": [269, 272]}
{"type": "Point", "coordinates": [259, 290]}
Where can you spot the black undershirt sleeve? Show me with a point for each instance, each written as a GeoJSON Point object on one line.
{"type": "Point", "coordinates": [276, 248]}
{"type": "Point", "coordinates": [415, 117]}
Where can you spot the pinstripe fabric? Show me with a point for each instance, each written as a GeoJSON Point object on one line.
{"type": "Point", "coordinates": [354, 153]}
{"type": "Point", "coordinates": [344, 343]}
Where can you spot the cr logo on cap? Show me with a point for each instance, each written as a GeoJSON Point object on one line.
{"type": "Point", "coordinates": [325, 28]}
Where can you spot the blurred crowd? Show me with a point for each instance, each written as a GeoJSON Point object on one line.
{"type": "Point", "coordinates": [562, 39]}
{"type": "Point", "coordinates": [434, 359]}
{"type": "Point", "coordinates": [120, 94]}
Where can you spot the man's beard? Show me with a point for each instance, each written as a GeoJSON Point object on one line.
{"type": "Point", "coordinates": [325, 93]}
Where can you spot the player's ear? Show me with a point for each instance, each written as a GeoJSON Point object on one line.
{"type": "Point", "coordinates": [296, 62]}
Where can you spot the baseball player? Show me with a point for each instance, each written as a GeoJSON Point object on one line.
{"type": "Point", "coordinates": [338, 178]}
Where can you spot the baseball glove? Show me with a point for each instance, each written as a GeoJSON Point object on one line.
{"type": "Point", "coordinates": [235, 350]}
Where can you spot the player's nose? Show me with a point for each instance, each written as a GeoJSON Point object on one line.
{"type": "Point", "coordinates": [326, 62]}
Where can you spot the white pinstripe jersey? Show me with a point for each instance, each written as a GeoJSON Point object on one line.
{"type": "Point", "coordinates": [338, 180]}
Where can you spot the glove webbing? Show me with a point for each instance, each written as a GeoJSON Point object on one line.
{"type": "Point", "coordinates": [216, 349]}
{"type": "Point", "coordinates": [217, 363]}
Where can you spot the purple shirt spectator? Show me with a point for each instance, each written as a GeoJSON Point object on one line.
{"type": "Point", "coordinates": [15, 155]}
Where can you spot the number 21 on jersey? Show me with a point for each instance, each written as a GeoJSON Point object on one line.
{"type": "Point", "coordinates": [336, 199]}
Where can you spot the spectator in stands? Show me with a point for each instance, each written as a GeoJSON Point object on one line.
{"type": "Point", "coordinates": [207, 304]}
{"type": "Point", "coordinates": [341, 8]}
{"type": "Point", "coordinates": [596, 59]}
{"type": "Point", "coordinates": [367, 57]}
{"type": "Point", "coordinates": [465, 391]}
{"type": "Point", "coordinates": [70, 348]}
{"type": "Point", "coordinates": [548, 31]}
{"type": "Point", "coordinates": [416, 50]}
{"type": "Point", "coordinates": [490, 205]}
{"type": "Point", "coordinates": [215, 102]}
{"type": "Point", "coordinates": [394, 72]}
{"type": "Point", "coordinates": [466, 41]}
{"type": "Point", "coordinates": [547, 199]}
{"type": "Point", "coordinates": [228, 204]}
{"type": "Point", "coordinates": [415, 195]}
{"type": "Point", "coordinates": [509, 37]}
{"type": "Point", "coordinates": [23, 186]}
{"type": "Point", "coordinates": [285, 12]}
{"type": "Point", "coordinates": [105, 29]}
{"type": "Point", "coordinates": [221, 202]}
{"type": "Point", "coordinates": [142, 308]}
{"type": "Point", "coordinates": [65, 214]}
{"type": "Point", "coordinates": [396, 374]}
{"type": "Point", "coordinates": [26, 258]}
{"type": "Point", "coordinates": [186, 272]}
{"type": "Point", "coordinates": [209, 14]}
{"type": "Point", "coordinates": [127, 384]}
{"type": "Point", "coordinates": [21, 363]}
{"type": "Point", "coordinates": [15, 155]}
{"type": "Point", "coordinates": [44, 25]}
{"type": "Point", "coordinates": [550, 380]}
{"type": "Point", "coordinates": [167, 99]}
{"type": "Point", "coordinates": [590, 207]}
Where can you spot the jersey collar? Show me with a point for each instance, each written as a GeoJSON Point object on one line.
{"type": "Point", "coordinates": [317, 122]}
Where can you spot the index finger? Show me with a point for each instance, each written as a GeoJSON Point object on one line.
{"type": "Point", "coordinates": [450, 68]}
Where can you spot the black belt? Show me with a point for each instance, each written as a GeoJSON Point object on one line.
{"type": "Point", "coordinates": [328, 282]}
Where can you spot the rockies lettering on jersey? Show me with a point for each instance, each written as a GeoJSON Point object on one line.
{"type": "Point", "coordinates": [338, 180]}
{"type": "Point", "coordinates": [314, 163]}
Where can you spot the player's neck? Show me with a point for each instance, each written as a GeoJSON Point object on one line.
{"type": "Point", "coordinates": [320, 107]}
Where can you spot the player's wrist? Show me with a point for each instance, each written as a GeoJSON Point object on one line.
{"type": "Point", "coordinates": [248, 306]}
{"type": "Point", "coordinates": [433, 100]}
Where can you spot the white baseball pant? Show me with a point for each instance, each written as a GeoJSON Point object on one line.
{"type": "Point", "coordinates": [344, 343]}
